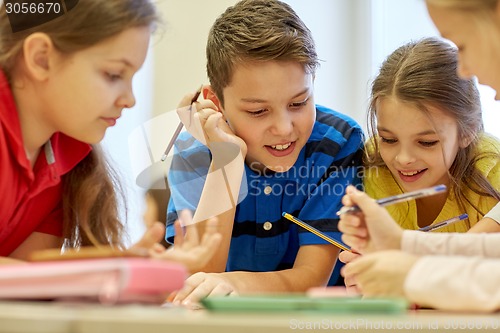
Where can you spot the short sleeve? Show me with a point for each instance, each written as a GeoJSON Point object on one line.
{"type": "Point", "coordinates": [494, 213]}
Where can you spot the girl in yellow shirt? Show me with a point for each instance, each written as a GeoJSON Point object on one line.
{"type": "Point", "coordinates": [426, 128]}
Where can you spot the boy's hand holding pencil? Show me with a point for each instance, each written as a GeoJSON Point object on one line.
{"type": "Point", "coordinates": [205, 121]}
{"type": "Point", "coordinates": [178, 130]}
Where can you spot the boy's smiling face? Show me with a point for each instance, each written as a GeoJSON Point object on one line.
{"type": "Point", "coordinates": [270, 105]}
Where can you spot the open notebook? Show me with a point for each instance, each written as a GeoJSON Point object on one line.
{"type": "Point", "coordinates": [107, 280]}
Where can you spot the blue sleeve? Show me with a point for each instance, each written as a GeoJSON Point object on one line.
{"type": "Point", "coordinates": [186, 179]}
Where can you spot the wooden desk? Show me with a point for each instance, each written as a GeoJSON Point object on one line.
{"type": "Point", "coordinates": [25, 317]}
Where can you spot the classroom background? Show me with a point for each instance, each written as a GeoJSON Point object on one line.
{"type": "Point", "coordinates": [352, 37]}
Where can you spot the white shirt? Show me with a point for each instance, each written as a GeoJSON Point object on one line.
{"type": "Point", "coordinates": [494, 213]}
{"type": "Point", "coordinates": [467, 280]}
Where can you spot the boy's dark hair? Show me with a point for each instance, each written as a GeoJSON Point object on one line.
{"type": "Point", "coordinates": [257, 30]}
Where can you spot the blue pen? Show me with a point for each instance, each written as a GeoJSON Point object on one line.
{"type": "Point", "coordinates": [444, 223]}
{"type": "Point", "coordinates": [399, 198]}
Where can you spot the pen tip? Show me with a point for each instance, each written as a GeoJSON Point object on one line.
{"type": "Point", "coordinates": [343, 210]}
{"type": "Point", "coordinates": [163, 158]}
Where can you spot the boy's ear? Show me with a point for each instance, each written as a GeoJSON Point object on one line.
{"type": "Point", "coordinates": [208, 93]}
{"type": "Point", "coordinates": [37, 50]}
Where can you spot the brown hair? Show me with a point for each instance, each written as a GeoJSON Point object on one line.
{"type": "Point", "coordinates": [257, 30]}
{"type": "Point", "coordinates": [424, 73]}
{"type": "Point", "coordinates": [90, 202]}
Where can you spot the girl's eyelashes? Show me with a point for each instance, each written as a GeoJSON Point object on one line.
{"type": "Point", "coordinates": [422, 143]}
{"type": "Point", "coordinates": [428, 143]}
{"type": "Point", "coordinates": [387, 140]}
{"type": "Point", "coordinates": [113, 76]}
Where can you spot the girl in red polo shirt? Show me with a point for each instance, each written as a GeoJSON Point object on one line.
{"type": "Point", "coordinates": [66, 75]}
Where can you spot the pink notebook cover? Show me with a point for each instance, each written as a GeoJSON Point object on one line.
{"type": "Point", "coordinates": [109, 281]}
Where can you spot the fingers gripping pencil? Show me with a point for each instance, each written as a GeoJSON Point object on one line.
{"type": "Point", "coordinates": [179, 128]}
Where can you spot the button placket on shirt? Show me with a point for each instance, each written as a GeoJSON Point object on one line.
{"type": "Point", "coordinates": [267, 225]}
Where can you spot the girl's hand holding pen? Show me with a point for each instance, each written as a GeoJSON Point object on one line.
{"type": "Point", "coordinates": [370, 230]}
{"type": "Point", "coordinates": [376, 272]}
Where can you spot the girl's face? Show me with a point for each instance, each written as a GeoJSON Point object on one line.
{"type": "Point", "coordinates": [477, 39]}
{"type": "Point", "coordinates": [88, 90]}
{"type": "Point", "coordinates": [417, 148]}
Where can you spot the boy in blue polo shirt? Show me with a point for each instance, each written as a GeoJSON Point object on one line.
{"type": "Point", "coordinates": [297, 157]}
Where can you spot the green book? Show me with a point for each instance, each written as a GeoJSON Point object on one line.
{"type": "Point", "coordinates": [287, 303]}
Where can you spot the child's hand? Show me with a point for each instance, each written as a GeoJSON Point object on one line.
{"type": "Point", "coordinates": [151, 238]}
{"type": "Point", "coordinates": [188, 249]}
{"type": "Point", "coordinates": [215, 126]}
{"type": "Point", "coordinates": [201, 285]}
{"type": "Point", "coordinates": [350, 282]}
{"type": "Point", "coordinates": [381, 274]}
{"type": "Point", "coordinates": [371, 230]}
{"type": "Point", "coordinates": [213, 123]}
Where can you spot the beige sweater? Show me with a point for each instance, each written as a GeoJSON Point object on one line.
{"type": "Point", "coordinates": [467, 280]}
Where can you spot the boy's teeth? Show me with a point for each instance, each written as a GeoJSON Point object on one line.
{"type": "Point", "coordinates": [282, 147]}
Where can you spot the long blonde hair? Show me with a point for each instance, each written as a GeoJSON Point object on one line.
{"type": "Point", "coordinates": [90, 202]}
